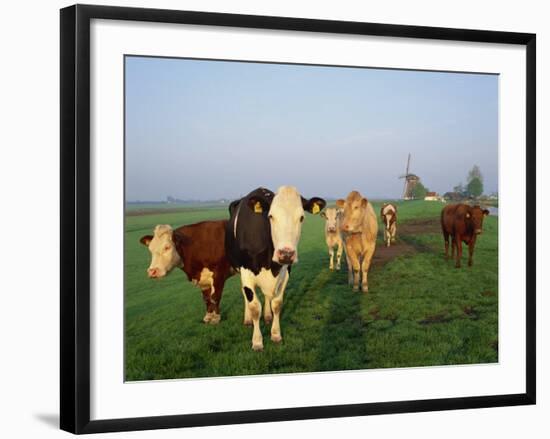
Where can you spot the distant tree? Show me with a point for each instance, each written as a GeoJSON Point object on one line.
{"type": "Point", "coordinates": [459, 188]}
{"type": "Point", "coordinates": [474, 173]}
{"type": "Point", "coordinates": [475, 187]}
{"type": "Point", "coordinates": [419, 191]}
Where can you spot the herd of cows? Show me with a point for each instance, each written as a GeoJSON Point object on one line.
{"type": "Point", "coordinates": [260, 242]}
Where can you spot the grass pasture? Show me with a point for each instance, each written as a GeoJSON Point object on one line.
{"type": "Point", "coordinates": [420, 310]}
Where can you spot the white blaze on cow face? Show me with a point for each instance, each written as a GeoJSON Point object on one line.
{"type": "Point", "coordinates": [164, 256]}
{"type": "Point", "coordinates": [286, 216]}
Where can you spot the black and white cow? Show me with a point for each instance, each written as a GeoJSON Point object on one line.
{"type": "Point", "coordinates": [261, 242]}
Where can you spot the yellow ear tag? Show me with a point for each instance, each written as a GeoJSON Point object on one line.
{"type": "Point", "coordinates": [258, 207]}
{"type": "Point", "coordinates": [315, 209]}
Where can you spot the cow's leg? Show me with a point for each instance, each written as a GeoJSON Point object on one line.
{"type": "Point", "coordinates": [277, 305]}
{"type": "Point", "coordinates": [393, 232]}
{"type": "Point", "coordinates": [388, 237]}
{"type": "Point", "coordinates": [458, 243]}
{"type": "Point", "coordinates": [331, 257]}
{"type": "Point", "coordinates": [254, 307]}
{"type": "Point", "coordinates": [446, 239]}
{"type": "Point", "coordinates": [471, 247]}
{"type": "Point", "coordinates": [350, 269]}
{"type": "Point", "coordinates": [208, 286]}
{"type": "Point", "coordinates": [365, 265]}
{"type": "Point", "coordinates": [268, 315]}
{"type": "Point", "coordinates": [209, 307]}
{"type": "Point", "coordinates": [356, 267]}
{"type": "Point", "coordinates": [339, 255]}
{"type": "Point", "coordinates": [453, 246]}
{"type": "Point", "coordinates": [215, 299]}
{"type": "Point", "coordinates": [247, 319]}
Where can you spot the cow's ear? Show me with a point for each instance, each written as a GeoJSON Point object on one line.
{"type": "Point", "coordinates": [486, 212]}
{"type": "Point", "coordinates": [145, 240]}
{"type": "Point", "coordinates": [340, 203]}
{"type": "Point", "coordinates": [258, 204]}
{"type": "Point", "coordinates": [313, 205]}
{"type": "Point", "coordinates": [364, 202]}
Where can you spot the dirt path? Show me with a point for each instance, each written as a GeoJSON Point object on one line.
{"type": "Point", "coordinates": [401, 247]}
{"type": "Point", "coordinates": [419, 227]}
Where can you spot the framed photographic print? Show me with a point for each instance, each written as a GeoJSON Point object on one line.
{"type": "Point", "coordinates": [273, 218]}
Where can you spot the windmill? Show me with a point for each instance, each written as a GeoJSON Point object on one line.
{"type": "Point", "coordinates": [410, 181]}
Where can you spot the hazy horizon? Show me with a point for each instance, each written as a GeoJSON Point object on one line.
{"type": "Point", "coordinates": [207, 130]}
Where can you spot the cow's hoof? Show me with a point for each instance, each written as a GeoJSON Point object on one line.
{"type": "Point", "coordinates": [258, 347]}
{"type": "Point", "coordinates": [276, 338]}
{"type": "Point", "coordinates": [355, 289]}
{"type": "Point", "coordinates": [207, 317]}
{"type": "Point", "coordinates": [337, 268]}
{"type": "Point", "coordinates": [215, 319]}
{"type": "Point", "coordinates": [365, 289]}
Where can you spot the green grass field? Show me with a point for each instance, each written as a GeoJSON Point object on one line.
{"type": "Point", "coordinates": [420, 310]}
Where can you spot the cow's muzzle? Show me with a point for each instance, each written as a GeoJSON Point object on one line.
{"type": "Point", "coordinates": [286, 256]}
{"type": "Point", "coordinates": [154, 273]}
{"type": "Point", "coordinates": [331, 229]}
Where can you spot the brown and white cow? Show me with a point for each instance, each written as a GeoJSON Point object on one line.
{"type": "Point", "coordinates": [359, 227]}
{"type": "Point", "coordinates": [388, 213]}
{"type": "Point", "coordinates": [199, 250]}
{"type": "Point", "coordinates": [333, 235]}
{"type": "Point", "coordinates": [462, 223]}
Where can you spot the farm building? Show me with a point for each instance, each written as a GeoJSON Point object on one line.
{"type": "Point", "coordinates": [432, 196]}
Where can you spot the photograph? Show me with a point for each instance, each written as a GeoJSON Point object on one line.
{"type": "Point", "coordinates": [296, 218]}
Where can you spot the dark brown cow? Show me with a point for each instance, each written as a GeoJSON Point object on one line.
{"type": "Point", "coordinates": [199, 250]}
{"type": "Point", "coordinates": [462, 223]}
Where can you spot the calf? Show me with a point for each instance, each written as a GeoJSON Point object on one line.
{"type": "Point", "coordinates": [359, 227]}
{"type": "Point", "coordinates": [333, 235]}
{"type": "Point", "coordinates": [388, 213]}
{"type": "Point", "coordinates": [463, 223]}
{"type": "Point", "coordinates": [261, 242]}
{"type": "Point", "coordinates": [199, 250]}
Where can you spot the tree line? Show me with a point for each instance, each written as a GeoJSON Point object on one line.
{"type": "Point", "coordinates": [472, 188]}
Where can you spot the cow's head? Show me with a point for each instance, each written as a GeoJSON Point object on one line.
{"type": "Point", "coordinates": [475, 216]}
{"type": "Point", "coordinates": [355, 209]}
{"type": "Point", "coordinates": [164, 255]}
{"type": "Point", "coordinates": [332, 218]}
{"type": "Point", "coordinates": [286, 214]}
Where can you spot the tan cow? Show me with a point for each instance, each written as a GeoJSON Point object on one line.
{"type": "Point", "coordinates": [333, 235]}
{"type": "Point", "coordinates": [388, 213]}
{"type": "Point", "coordinates": [359, 227]}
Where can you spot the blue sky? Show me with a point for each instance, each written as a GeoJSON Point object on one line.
{"type": "Point", "coordinates": [214, 129]}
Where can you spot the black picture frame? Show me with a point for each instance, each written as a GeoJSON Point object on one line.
{"type": "Point", "coordinates": [75, 217]}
